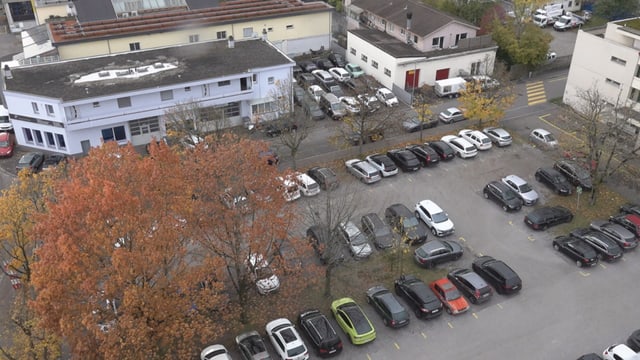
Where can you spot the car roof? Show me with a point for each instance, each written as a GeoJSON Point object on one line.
{"type": "Point", "coordinates": [401, 209]}
{"type": "Point", "coordinates": [541, 131]}
{"type": "Point", "coordinates": [430, 206]}
{"type": "Point", "coordinates": [515, 179]}
{"type": "Point", "coordinates": [453, 109]}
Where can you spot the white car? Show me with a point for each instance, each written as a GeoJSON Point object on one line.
{"type": "Point", "coordinates": [383, 163]}
{"type": "Point", "coordinates": [290, 188]}
{"type": "Point", "coordinates": [363, 171]}
{"type": "Point", "coordinates": [339, 74]}
{"type": "Point", "coordinates": [462, 147]}
{"type": "Point", "coordinates": [215, 352]}
{"type": "Point", "coordinates": [387, 97]}
{"type": "Point", "coordinates": [286, 340]}
{"type": "Point", "coordinates": [477, 138]}
{"type": "Point", "coordinates": [316, 92]}
{"type": "Point", "coordinates": [543, 137]}
{"type": "Point", "coordinates": [435, 218]}
{"type": "Point", "coordinates": [498, 136]}
{"type": "Point", "coordinates": [352, 105]}
{"type": "Point", "coordinates": [308, 186]}
{"type": "Point", "coordinates": [619, 352]}
{"type": "Point", "coordinates": [522, 189]}
{"type": "Point", "coordinates": [262, 274]}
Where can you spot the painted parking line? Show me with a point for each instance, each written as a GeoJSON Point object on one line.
{"type": "Point", "coordinates": [462, 239]}
{"type": "Point", "coordinates": [603, 266]}
{"type": "Point", "coordinates": [530, 238]}
{"type": "Point", "coordinates": [396, 345]}
{"type": "Point", "coordinates": [499, 305]}
{"type": "Point", "coordinates": [584, 273]}
{"type": "Point", "coordinates": [536, 93]}
{"type": "Point", "coordinates": [368, 357]}
{"type": "Point", "coordinates": [450, 324]}
{"type": "Point", "coordinates": [510, 222]}
{"type": "Point", "coordinates": [474, 315]}
{"type": "Point", "coordinates": [558, 79]}
{"type": "Point", "coordinates": [423, 335]}
{"type": "Point", "coordinates": [480, 254]}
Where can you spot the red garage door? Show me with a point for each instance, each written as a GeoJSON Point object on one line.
{"type": "Point", "coordinates": [442, 74]}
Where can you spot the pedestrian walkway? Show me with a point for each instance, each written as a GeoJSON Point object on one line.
{"type": "Point", "coordinates": [535, 93]}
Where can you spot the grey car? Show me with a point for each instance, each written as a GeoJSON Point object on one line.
{"type": "Point", "coordinates": [363, 171]}
{"type": "Point", "coordinates": [499, 136]}
{"type": "Point", "coordinates": [358, 244]}
{"type": "Point", "coordinates": [451, 115]}
{"type": "Point", "coordinates": [437, 251]}
{"type": "Point", "coordinates": [471, 285]}
{"type": "Point", "coordinates": [522, 189]}
{"type": "Point", "coordinates": [377, 231]}
{"type": "Point", "coordinates": [625, 238]}
{"type": "Point", "coordinates": [252, 347]}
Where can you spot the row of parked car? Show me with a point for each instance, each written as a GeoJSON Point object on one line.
{"type": "Point", "coordinates": [628, 351]}
{"type": "Point", "coordinates": [448, 294]}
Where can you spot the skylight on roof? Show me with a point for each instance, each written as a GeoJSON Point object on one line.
{"type": "Point", "coordinates": [125, 73]}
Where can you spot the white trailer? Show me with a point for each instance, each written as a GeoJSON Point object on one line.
{"type": "Point", "coordinates": [548, 14]}
{"type": "Point", "coordinates": [450, 87]}
{"type": "Point", "coordinates": [568, 21]}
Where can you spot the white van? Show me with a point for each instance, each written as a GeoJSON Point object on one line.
{"type": "Point", "coordinates": [5, 123]}
{"type": "Point", "coordinates": [450, 87]}
{"type": "Point", "coordinates": [307, 186]}
{"type": "Point", "coordinates": [290, 189]}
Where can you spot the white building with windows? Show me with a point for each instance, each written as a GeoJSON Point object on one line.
{"type": "Point", "coordinates": [71, 106]}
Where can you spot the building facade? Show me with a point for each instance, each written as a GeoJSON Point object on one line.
{"type": "Point", "coordinates": [71, 106]}
{"type": "Point", "coordinates": [610, 63]}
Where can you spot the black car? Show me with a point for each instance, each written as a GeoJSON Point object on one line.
{"type": "Point", "coordinates": [320, 333]}
{"type": "Point", "coordinates": [298, 94]}
{"type": "Point", "coordinates": [420, 298]}
{"type": "Point", "coordinates": [415, 124]}
{"type": "Point", "coordinates": [575, 173]}
{"type": "Point", "coordinates": [251, 346]}
{"type": "Point", "coordinates": [547, 216]}
{"type": "Point", "coordinates": [634, 341]}
{"type": "Point", "coordinates": [405, 223]}
{"type": "Point", "coordinates": [471, 285]}
{"type": "Point", "coordinates": [630, 222]}
{"type": "Point", "coordinates": [425, 154]}
{"type": "Point", "coordinates": [607, 248]}
{"type": "Point", "coordinates": [630, 209]}
{"type": "Point", "coordinates": [308, 66]}
{"type": "Point", "coordinates": [328, 251]}
{"type": "Point", "coordinates": [323, 63]}
{"type": "Point", "coordinates": [625, 238]}
{"type": "Point", "coordinates": [437, 251]}
{"type": "Point", "coordinates": [393, 313]}
{"type": "Point", "coordinates": [277, 128]}
{"type": "Point", "coordinates": [577, 250]}
{"type": "Point", "coordinates": [306, 80]}
{"type": "Point", "coordinates": [32, 161]}
{"type": "Point", "coordinates": [591, 356]}
{"type": "Point", "coordinates": [52, 161]}
{"type": "Point", "coordinates": [337, 60]}
{"type": "Point", "coordinates": [378, 232]}
{"type": "Point", "coordinates": [325, 177]}
{"type": "Point", "coordinates": [404, 159]}
{"type": "Point", "coordinates": [443, 150]}
{"type": "Point", "coordinates": [498, 274]}
{"type": "Point", "coordinates": [554, 180]}
{"type": "Point", "coordinates": [502, 194]}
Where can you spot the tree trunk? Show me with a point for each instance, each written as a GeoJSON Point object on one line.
{"type": "Point", "coordinates": [327, 280]}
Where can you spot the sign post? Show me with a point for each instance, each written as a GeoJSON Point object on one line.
{"type": "Point", "coordinates": [578, 191]}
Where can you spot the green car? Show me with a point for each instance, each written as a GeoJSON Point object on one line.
{"type": "Point", "coordinates": [353, 321]}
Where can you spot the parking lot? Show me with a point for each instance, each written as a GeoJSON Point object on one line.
{"type": "Point", "coordinates": [562, 312]}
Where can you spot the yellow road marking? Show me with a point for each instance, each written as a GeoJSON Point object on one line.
{"type": "Point", "coordinates": [474, 315]}
{"type": "Point", "coordinates": [530, 103]}
{"type": "Point", "coordinates": [536, 93]}
{"type": "Point", "coordinates": [558, 79]}
{"type": "Point", "coordinates": [462, 239]}
{"type": "Point", "coordinates": [396, 345]}
{"type": "Point", "coordinates": [584, 273]}
{"type": "Point", "coordinates": [423, 335]}
{"type": "Point", "coordinates": [531, 238]}
{"type": "Point", "coordinates": [603, 266]}
{"type": "Point", "coordinates": [410, 179]}
{"type": "Point", "coordinates": [499, 305]}
{"type": "Point", "coordinates": [531, 99]}
{"type": "Point", "coordinates": [510, 222]}
{"type": "Point", "coordinates": [450, 325]}
{"type": "Point", "coordinates": [479, 254]}
{"type": "Point", "coordinates": [368, 357]}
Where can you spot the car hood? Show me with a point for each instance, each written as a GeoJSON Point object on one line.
{"type": "Point", "coordinates": [6, 150]}
{"type": "Point", "coordinates": [444, 226]}
{"type": "Point", "coordinates": [529, 195]}
{"type": "Point", "coordinates": [361, 250]}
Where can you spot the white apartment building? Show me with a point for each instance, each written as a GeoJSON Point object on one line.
{"type": "Point", "coordinates": [71, 106]}
{"type": "Point", "coordinates": [608, 62]}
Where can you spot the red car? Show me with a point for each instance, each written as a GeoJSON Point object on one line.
{"type": "Point", "coordinates": [450, 296]}
{"type": "Point", "coordinates": [6, 144]}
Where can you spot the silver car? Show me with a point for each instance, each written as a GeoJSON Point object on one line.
{"type": "Point", "coordinates": [522, 189]}
{"type": "Point", "coordinates": [363, 171]}
{"type": "Point", "coordinates": [625, 238]}
{"type": "Point", "coordinates": [498, 136]}
{"type": "Point", "coordinates": [358, 244]}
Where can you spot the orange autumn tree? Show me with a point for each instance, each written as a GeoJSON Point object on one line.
{"type": "Point", "coordinates": [117, 274]}
{"type": "Point", "coordinates": [241, 212]}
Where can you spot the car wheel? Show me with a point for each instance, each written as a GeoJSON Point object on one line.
{"type": "Point", "coordinates": [418, 313]}
{"type": "Point", "coordinates": [538, 177]}
{"type": "Point", "coordinates": [486, 195]}
{"type": "Point", "coordinates": [556, 247]}
{"type": "Point", "coordinates": [599, 256]}
{"type": "Point", "coordinates": [570, 219]}
{"type": "Point", "coordinates": [505, 208]}
{"type": "Point", "coordinates": [434, 232]}
{"type": "Point", "coordinates": [386, 322]}
{"type": "Point", "coordinates": [473, 300]}
{"type": "Point", "coordinates": [449, 310]}
{"type": "Point", "coordinates": [544, 227]}
{"type": "Point", "coordinates": [368, 300]}
{"type": "Point", "coordinates": [558, 191]}
{"type": "Point", "coordinates": [578, 263]}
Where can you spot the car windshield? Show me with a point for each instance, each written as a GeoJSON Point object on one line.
{"type": "Point", "coordinates": [452, 294]}
{"type": "Point", "coordinates": [337, 106]}
{"type": "Point", "coordinates": [356, 68]}
{"type": "Point", "coordinates": [525, 188]}
{"type": "Point", "coordinates": [388, 96]}
{"type": "Point", "coordinates": [485, 140]}
{"type": "Point", "coordinates": [264, 272]}
{"type": "Point", "coordinates": [359, 239]}
{"type": "Point", "coordinates": [440, 217]}
{"type": "Point", "coordinates": [549, 138]}
{"type": "Point", "coordinates": [410, 222]}
{"type": "Point", "coordinates": [448, 113]}
{"type": "Point", "coordinates": [295, 351]}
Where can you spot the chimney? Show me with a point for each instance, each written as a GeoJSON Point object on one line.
{"type": "Point", "coordinates": [409, 16]}
{"type": "Point", "coordinates": [264, 34]}
{"type": "Point", "coordinates": [231, 43]}
{"type": "Point", "coordinates": [7, 72]}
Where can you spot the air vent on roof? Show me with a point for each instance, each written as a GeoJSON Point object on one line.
{"type": "Point", "coordinates": [142, 69]}
{"type": "Point", "coordinates": [122, 73]}
{"type": "Point", "coordinates": [134, 13]}
{"type": "Point", "coordinates": [158, 65]}
{"type": "Point", "coordinates": [124, 15]}
{"type": "Point", "coordinates": [103, 74]}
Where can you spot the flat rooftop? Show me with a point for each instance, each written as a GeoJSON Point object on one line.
{"type": "Point", "coordinates": [113, 74]}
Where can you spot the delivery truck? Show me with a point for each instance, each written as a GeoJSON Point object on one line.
{"type": "Point", "coordinates": [450, 87]}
